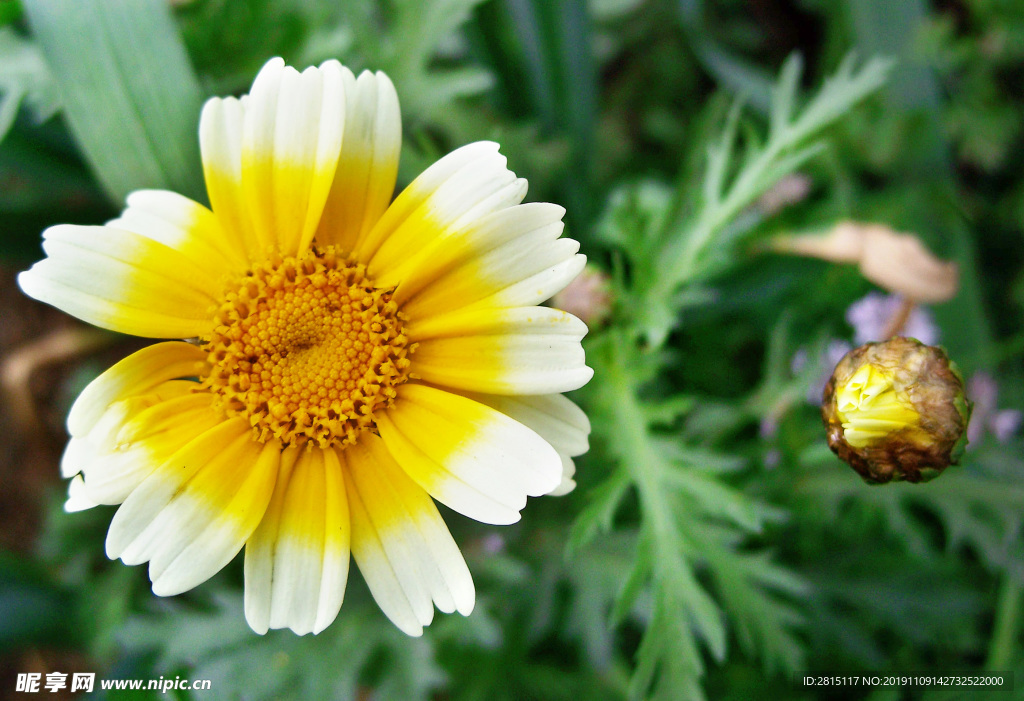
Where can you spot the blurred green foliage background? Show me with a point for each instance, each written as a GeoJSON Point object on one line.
{"type": "Point", "coordinates": [714, 547]}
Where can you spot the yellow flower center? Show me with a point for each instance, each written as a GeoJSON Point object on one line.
{"type": "Point", "coordinates": [870, 407]}
{"type": "Point", "coordinates": [307, 350]}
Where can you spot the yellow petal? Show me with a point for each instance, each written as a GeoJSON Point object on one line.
{"type": "Point", "coordinates": [139, 373]}
{"type": "Point", "coordinates": [124, 282]}
{"type": "Point", "coordinates": [293, 126]}
{"type": "Point", "coordinates": [466, 455]}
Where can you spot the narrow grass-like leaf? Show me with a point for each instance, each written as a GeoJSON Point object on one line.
{"type": "Point", "coordinates": [543, 51]}
{"type": "Point", "coordinates": [129, 93]}
{"type": "Point", "coordinates": [24, 80]}
{"type": "Point", "coordinates": [738, 75]}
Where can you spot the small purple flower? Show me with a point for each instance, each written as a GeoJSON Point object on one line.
{"type": "Point", "coordinates": [983, 390]}
{"type": "Point", "coordinates": [1004, 424]}
{"type": "Point", "coordinates": [870, 315]}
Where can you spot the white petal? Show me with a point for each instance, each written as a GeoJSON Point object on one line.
{"type": "Point", "coordinates": [419, 554]}
{"type": "Point", "coordinates": [193, 514]}
{"type": "Point", "coordinates": [568, 483]}
{"type": "Point", "coordinates": [554, 417]}
{"type": "Point", "coordinates": [364, 181]}
{"type": "Point", "coordinates": [77, 499]}
{"type": "Point", "coordinates": [296, 562]}
{"type": "Point", "coordinates": [379, 574]}
{"type": "Point", "coordinates": [77, 453]}
{"type": "Point", "coordinates": [539, 286]}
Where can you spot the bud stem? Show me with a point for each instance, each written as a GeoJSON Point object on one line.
{"type": "Point", "coordinates": [899, 319]}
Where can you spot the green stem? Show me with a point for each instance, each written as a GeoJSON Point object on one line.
{"type": "Point", "coordinates": [1007, 624]}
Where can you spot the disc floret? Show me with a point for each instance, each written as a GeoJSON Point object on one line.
{"type": "Point", "coordinates": [307, 349]}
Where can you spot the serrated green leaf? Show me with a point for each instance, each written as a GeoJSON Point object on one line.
{"type": "Point", "coordinates": [667, 411]}
{"type": "Point", "coordinates": [638, 574]}
{"type": "Point", "coordinates": [684, 259]}
{"type": "Point", "coordinates": [598, 515]}
{"type": "Point", "coordinates": [715, 500]}
{"type": "Point", "coordinates": [784, 94]}
{"type": "Point", "coordinates": [764, 623]}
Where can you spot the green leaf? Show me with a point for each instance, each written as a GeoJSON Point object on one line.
{"type": "Point", "coordinates": [129, 93]}
{"type": "Point", "coordinates": [638, 574]}
{"type": "Point", "coordinates": [716, 500]}
{"type": "Point", "coordinates": [668, 658]}
{"type": "Point", "coordinates": [784, 94]}
{"type": "Point", "coordinates": [749, 585]}
{"type": "Point", "coordinates": [10, 11]}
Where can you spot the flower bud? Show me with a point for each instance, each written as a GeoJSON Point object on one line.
{"type": "Point", "coordinates": [896, 411]}
{"type": "Point", "coordinates": [588, 297]}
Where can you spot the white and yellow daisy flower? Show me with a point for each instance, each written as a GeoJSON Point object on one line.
{"type": "Point", "coordinates": [351, 358]}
